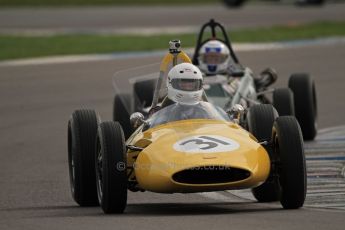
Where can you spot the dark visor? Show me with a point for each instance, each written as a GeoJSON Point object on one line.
{"type": "Point", "coordinates": [187, 84]}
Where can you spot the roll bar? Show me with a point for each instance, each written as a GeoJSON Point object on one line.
{"type": "Point", "coordinates": [213, 26]}
{"type": "Point", "coordinates": [175, 53]}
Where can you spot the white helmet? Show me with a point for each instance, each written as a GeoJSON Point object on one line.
{"type": "Point", "coordinates": [185, 84]}
{"type": "Point", "coordinates": [214, 57]}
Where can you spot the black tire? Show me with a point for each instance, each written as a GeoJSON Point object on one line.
{"type": "Point", "coordinates": [288, 146]}
{"type": "Point", "coordinates": [260, 121]}
{"type": "Point", "coordinates": [233, 3]}
{"type": "Point", "coordinates": [303, 88]}
{"type": "Point", "coordinates": [122, 108]}
{"type": "Point", "coordinates": [82, 130]}
{"type": "Point", "coordinates": [111, 166]}
{"type": "Point", "coordinates": [310, 2]}
{"type": "Point", "coordinates": [283, 101]}
{"type": "Point", "coordinates": [315, 2]}
{"type": "Point", "coordinates": [143, 93]}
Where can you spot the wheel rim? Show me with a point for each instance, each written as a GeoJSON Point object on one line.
{"type": "Point", "coordinates": [99, 171]}
{"type": "Point", "coordinates": [71, 159]}
{"type": "Point", "coordinates": [278, 166]}
{"type": "Point", "coordinates": [315, 106]}
{"type": "Point", "coordinates": [73, 174]}
{"type": "Point", "coordinates": [277, 149]}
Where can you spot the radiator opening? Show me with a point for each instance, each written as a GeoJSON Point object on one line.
{"type": "Point", "coordinates": [210, 175]}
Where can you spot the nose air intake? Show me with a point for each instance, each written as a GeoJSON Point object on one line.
{"type": "Point", "coordinates": [210, 175]}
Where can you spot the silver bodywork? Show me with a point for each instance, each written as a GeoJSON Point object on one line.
{"type": "Point", "coordinates": [226, 91]}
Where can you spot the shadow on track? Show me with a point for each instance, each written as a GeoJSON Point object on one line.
{"type": "Point", "coordinates": [148, 209]}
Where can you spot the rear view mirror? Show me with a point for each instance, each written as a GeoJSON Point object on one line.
{"type": "Point", "coordinates": [136, 119]}
{"type": "Point", "coordinates": [235, 112]}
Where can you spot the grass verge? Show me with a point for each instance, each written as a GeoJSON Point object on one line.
{"type": "Point", "coordinates": [13, 47]}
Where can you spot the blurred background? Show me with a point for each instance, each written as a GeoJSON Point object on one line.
{"type": "Point", "coordinates": [60, 55]}
{"type": "Point", "coordinates": [34, 28]}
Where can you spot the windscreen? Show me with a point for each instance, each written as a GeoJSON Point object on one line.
{"type": "Point", "coordinates": [177, 112]}
{"type": "Point", "coordinates": [126, 80]}
{"type": "Point", "coordinates": [135, 86]}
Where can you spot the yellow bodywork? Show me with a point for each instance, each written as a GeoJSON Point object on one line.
{"type": "Point", "coordinates": [153, 167]}
{"type": "Point", "coordinates": [168, 59]}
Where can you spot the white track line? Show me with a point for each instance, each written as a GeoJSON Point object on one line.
{"type": "Point", "coordinates": [326, 180]}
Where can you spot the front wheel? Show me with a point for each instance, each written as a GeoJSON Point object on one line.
{"type": "Point", "coordinates": [82, 130]}
{"type": "Point", "coordinates": [260, 120]}
{"type": "Point", "coordinates": [111, 168]}
{"type": "Point", "coordinates": [291, 167]}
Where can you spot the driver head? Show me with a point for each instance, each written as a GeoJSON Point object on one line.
{"type": "Point", "coordinates": [185, 84]}
{"type": "Point", "coordinates": [214, 57]}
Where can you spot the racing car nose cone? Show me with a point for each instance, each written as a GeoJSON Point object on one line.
{"type": "Point", "coordinates": [205, 144]}
{"type": "Point", "coordinates": [209, 157]}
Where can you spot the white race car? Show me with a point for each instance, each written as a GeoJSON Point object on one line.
{"type": "Point", "coordinates": [239, 85]}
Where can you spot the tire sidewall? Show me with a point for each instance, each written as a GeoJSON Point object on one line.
{"type": "Point", "coordinates": [82, 130]}
{"type": "Point", "coordinates": [305, 100]}
{"type": "Point", "coordinates": [283, 101]}
{"type": "Point", "coordinates": [288, 146]}
{"type": "Point", "coordinates": [113, 197]}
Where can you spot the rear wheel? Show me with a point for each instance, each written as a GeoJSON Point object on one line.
{"type": "Point", "coordinates": [82, 130]}
{"type": "Point", "coordinates": [291, 169]}
{"type": "Point", "coordinates": [143, 93]}
{"type": "Point", "coordinates": [303, 88]}
{"type": "Point", "coordinates": [283, 101]}
{"type": "Point", "coordinates": [111, 168]}
{"type": "Point", "coordinates": [260, 119]}
{"type": "Point", "coordinates": [122, 108]}
{"type": "Point", "coordinates": [260, 122]}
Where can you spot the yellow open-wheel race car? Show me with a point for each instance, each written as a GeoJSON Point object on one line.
{"type": "Point", "coordinates": [186, 149]}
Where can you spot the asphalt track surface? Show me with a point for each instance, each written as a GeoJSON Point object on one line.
{"type": "Point", "coordinates": [156, 19]}
{"type": "Point", "coordinates": [35, 105]}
